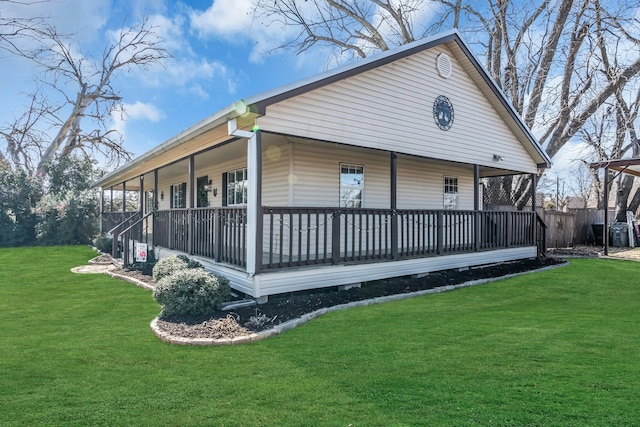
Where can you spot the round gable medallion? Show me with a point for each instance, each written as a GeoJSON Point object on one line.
{"type": "Point", "coordinates": [443, 112]}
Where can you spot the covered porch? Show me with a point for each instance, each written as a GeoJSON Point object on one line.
{"type": "Point", "coordinates": [266, 248]}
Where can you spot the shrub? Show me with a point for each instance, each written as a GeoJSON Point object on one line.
{"type": "Point", "coordinates": [191, 292]}
{"type": "Point", "coordinates": [103, 243]}
{"type": "Point", "coordinates": [167, 266]}
{"type": "Point", "coordinates": [191, 263]}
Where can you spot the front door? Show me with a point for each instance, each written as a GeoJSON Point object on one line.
{"type": "Point", "coordinates": [202, 191]}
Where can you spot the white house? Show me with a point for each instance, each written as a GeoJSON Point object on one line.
{"type": "Point", "coordinates": [368, 171]}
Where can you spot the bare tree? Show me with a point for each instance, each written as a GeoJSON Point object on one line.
{"type": "Point", "coordinates": [355, 27]}
{"type": "Point", "coordinates": [92, 104]}
{"type": "Point", "coordinates": [13, 29]}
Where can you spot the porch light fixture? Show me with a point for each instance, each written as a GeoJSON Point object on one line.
{"type": "Point", "coordinates": [207, 188]}
{"type": "Point", "coordinates": [497, 158]}
{"type": "Point", "coordinates": [162, 195]}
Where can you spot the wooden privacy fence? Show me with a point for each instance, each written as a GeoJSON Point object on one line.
{"type": "Point", "coordinates": [565, 229]}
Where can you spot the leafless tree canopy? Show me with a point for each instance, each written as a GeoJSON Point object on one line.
{"type": "Point", "coordinates": [355, 27]}
{"type": "Point", "coordinates": [78, 120]}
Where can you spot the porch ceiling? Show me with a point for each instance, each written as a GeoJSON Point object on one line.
{"type": "Point", "coordinates": [177, 148]}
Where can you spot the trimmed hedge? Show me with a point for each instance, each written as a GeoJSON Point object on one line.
{"type": "Point", "coordinates": [191, 292]}
{"type": "Point", "coordinates": [169, 265]}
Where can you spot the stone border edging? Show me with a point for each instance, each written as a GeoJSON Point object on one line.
{"type": "Point", "coordinates": [293, 323]}
{"type": "Point", "coordinates": [136, 282]}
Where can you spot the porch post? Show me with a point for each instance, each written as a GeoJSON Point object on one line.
{"type": "Point", "coordinates": [394, 205]}
{"type": "Point", "coordinates": [124, 197]}
{"type": "Point", "coordinates": [111, 199]}
{"type": "Point", "coordinates": [254, 203]}
{"type": "Point", "coordinates": [101, 209]}
{"type": "Point", "coordinates": [192, 192]}
{"type": "Point", "coordinates": [141, 197]}
{"type": "Point", "coordinates": [605, 228]}
{"type": "Point", "coordinates": [155, 190]}
{"type": "Point", "coordinates": [476, 207]}
{"type": "Point", "coordinates": [155, 207]}
{"type": "Point", "coordinates": [141, 208]}
{"type": "Point", "coordinates": [534, 185]}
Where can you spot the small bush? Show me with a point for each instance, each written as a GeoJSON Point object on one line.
{"type": "Point", "coordinates": [169, 265]}
{"type": "Point", "coordinates": [191, 292]}
{"type": "Point", "coordinates": [103, 243]}
{"type": "Point", "coordinates": [191, 263]}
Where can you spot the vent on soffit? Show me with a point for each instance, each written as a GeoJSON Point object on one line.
{"type": "Point", "coordinates": [443, 64]}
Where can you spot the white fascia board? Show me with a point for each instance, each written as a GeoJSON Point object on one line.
{"type": "Point", "coordinates": [219, 118]}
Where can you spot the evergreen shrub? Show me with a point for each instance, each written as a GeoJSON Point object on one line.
{"type": "Point", "coordinates": [191, 292]}
{"type": "Point", "coordinates": [103, 244]}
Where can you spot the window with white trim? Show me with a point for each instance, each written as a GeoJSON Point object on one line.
{"type": "Point", "coordinates": [450, 192]}
{"type": "Point", "coordinates": [179, 196]}
{"type": "Point", "coordinates": [236, 184]}
{"type": "Point", "coordinates": [351, 185]}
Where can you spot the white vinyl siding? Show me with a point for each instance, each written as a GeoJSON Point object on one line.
{"type": "Point", "coordinates": [420, 183]}
{"type": "Point", "coordinates": [306, 173]}
{"type": "Point", "coordinates": [400, 111]}
{"type": "Point", "coordinates": [316, 181]}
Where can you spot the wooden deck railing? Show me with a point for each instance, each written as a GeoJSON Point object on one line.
{"type": "Point", "coordinates": [306, 236]}
{"type": "Point", "coordinates": [301, 236]}
{"type": "Point", "coordinates": [122, 220]}
{"type": "Point", "coordinates": [217, 233]}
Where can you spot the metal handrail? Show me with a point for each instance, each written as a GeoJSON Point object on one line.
{"type": "Point", "coordinates": [122, 222]}
{"type": "Point", "coordinates": [137, 222]}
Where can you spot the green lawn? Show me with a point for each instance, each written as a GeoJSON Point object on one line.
{"type": "Point", "coordinates": [561, 347]}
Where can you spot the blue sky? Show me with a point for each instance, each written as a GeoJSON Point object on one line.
{"type": "Point", "coordinates": [220, 56]}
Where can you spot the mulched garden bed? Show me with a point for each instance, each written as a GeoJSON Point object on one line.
{"type": "Point", "coordinates": [280, 308]}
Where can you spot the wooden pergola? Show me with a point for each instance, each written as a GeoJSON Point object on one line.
{"type": "Point", "coordinates": [628, 166]}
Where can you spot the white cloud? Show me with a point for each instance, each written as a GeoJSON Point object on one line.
{"type": "Point", "coordinates": [81, 17]}
{"type": "Point", "coordinates": [134, 112]}
{"type": "Point", "coordinates": [143, 111]}
{"type": "Point", "coordinates": [186, 71]}
{"type": "Point", "coordinates": [225, 18]}
{"type": "Point", "coordinates": [233, 21]}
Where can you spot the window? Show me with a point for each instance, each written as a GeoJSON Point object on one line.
{"type": "Point", "coordinates": [351, 185]}
{"type": "Point", "coordinates": [236, 185]}
{"type": "Point", "coordinates": [450, 192]}
{"type": "Point", "coordinates": [179, 196]}
{"type": "Point", "coordinates": [150, 204]}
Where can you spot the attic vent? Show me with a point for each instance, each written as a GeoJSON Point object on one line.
{"type": "Point", "coordinates": [443, 63]}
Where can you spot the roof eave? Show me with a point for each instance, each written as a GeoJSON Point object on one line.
{"type": "Point", "coordinates": [219, 118]}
